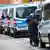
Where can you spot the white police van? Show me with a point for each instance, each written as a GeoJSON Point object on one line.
{"type": "Point", "coordinates": [44, 26]}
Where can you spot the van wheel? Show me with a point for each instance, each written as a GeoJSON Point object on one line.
{"type": "Point", "coordinates": [14, 34]}
{"type": "Point", "coordinates": [11, 35]}
{"type": "Point", "coordinates": [11, 32]}
{"type": "Point", "coordinates": [5, 29]}
{"type": "Point", "coordinates": [8, 32]}
{"type": "Point", "coordinates": [5, 33]}
{"type": "Point", "coordinates": [1, 30]}
{"type": "Point", "coordinates": [41, 44]}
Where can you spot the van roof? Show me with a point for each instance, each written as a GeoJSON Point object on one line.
{"type": "Point", "coordinates": [4, 6]}
{"type": "Point", "coordinates": [45, 2]}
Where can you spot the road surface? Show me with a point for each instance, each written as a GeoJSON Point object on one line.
{"type": "Point", "coordinates": [10, 43]}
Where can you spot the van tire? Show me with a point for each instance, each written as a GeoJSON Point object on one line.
{"type": "Point", "coordinates": [14, 34]}
{"type": "Point", "coordinates": [42, 45]}
{"type": "Point", "coordinates": [1, 29]}
{"type": "Point", "coordinates": [11, 35]}
{"type": "Point", "coordinates": [8, 31]}
{"type": "Point", "coordinates": [5, 33]}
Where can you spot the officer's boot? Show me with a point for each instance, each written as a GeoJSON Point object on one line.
{"type": "Point", "coordinates": [31, 41]}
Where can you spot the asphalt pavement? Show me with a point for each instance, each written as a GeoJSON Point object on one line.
{"type": "Point", "coordinates": [10, 43]}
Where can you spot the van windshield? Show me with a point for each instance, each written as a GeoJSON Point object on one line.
{"type": "Point", "coordinates": [23, 12]}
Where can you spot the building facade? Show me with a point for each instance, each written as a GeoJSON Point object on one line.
{"type": "Point", "coordinates": [16, 1]}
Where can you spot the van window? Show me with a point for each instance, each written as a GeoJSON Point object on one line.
{"type": "Point", "coordinates": [23, 12]}
{"type": "Point", "coordinates": [4, 13]}
{"type": "Point", "coordinates": [11, 10]}
{"type": "Point", "coordinates": [47, 12]}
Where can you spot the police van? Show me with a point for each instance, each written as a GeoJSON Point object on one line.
{"type": "Point", "coordinates": [18, 18]}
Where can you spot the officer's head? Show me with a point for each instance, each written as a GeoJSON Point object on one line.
{"type": "Point", "coordinates": [38, 15]}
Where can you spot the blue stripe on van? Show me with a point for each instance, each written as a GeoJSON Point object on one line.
{"type": "Point", "coordinates": [21, 23]}
{"type": "Point", "coordinates": [2, 21]}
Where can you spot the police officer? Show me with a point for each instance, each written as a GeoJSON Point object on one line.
{"type": "Point", "coordinates": [38, 17]}
{"type": "Point", "coordinates": [32, 26]}
{"type": "Point", "coordinates": [33, 21]}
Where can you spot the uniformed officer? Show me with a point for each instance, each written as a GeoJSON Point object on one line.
{"type": "Point", "coordinates": [32, 26]}
{"type": "Point", "coordinates": [33, 21]}
{"type": "Point", "coordinates": [38, 17]}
